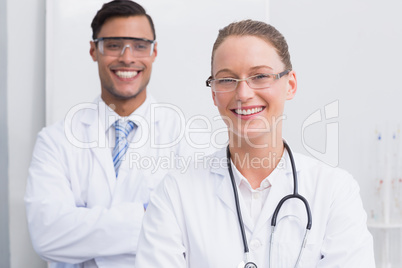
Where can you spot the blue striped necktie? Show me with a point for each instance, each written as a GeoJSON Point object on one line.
{"type": "Point", "coordinates": [123, 128]}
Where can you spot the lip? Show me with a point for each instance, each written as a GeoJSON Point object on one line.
{"type": "Point", "coordinates": [248, 116]}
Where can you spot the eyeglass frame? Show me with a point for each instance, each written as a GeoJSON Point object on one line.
{"type": "Point", "coordinates": [276, 77]}
{"type": "Point", "coordinates": [152, 42]}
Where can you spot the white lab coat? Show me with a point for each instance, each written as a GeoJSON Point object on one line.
{"type": "Point", "coordinates": [78, 212]}
{"type": "Point", "coordinates": [192, 220]}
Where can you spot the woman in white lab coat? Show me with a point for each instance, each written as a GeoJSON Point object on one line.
{"type": "Point", "coordinates": [193, 220]}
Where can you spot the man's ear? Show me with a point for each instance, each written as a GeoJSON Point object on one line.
{"type": "Point", "coordinates": [92, 51]}
{"type": "Point", "coordinates": [155, 52]}
{"type": "Point", "coordinates": [292, 85]}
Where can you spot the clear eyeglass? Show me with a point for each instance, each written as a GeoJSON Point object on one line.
{"type": "Point", "coordinates": [259, 81]}
{"type": "Point", "coordinates": [116, 46]}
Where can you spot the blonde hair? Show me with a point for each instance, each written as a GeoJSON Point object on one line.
{"type": "Point", "coordinates": [258, 29]}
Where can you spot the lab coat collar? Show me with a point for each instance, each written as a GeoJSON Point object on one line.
{"type": "Point", "coordinates": [98, 117]}
{"type": "Point", "coordinates": [99, 112]}
{"type": "Point", "coordinates": [219, 165]}
{"type": "Point", "coordinates": [281, 185]}
{"type": "Point", "coordinates": [218, 162]}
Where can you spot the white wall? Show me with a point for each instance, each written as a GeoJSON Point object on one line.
{"type": "Point", "coordinates": [4, 231]}
{"type": "Point", "coordinates": [26, 114]}
{"type": "Point", "coordinates": [346, 51]}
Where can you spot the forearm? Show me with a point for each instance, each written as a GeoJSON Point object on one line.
{"type": "Point", "coordinates": [78, 234]}
{"type": "Point", "coordinates": [64, 227]}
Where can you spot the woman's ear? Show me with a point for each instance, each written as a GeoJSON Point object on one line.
{"type": "Point", "coordinates": [292, 85]}
{"type": "Point", "coordinates": [214, 97]}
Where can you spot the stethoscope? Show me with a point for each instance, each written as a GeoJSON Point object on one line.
{"type": "Point", "coordinates": [295, 194]}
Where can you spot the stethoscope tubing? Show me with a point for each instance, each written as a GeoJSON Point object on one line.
{"type": "Point", "coordinates": [236, 196]}
{"type": "Point", "coordinates": [295, 194]}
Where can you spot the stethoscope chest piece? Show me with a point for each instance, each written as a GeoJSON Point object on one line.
{"type": "Point", "coordinates": [250, 265]}
{"type": "Point", "coordinates": [247, 265]}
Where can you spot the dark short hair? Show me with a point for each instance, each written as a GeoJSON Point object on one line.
{"type": "Point", "coordinates": [118, 8]}
{"type": "Point", "coordinates": [258, 29]}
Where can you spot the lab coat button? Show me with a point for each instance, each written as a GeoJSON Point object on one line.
{"type": "Point", "coordinates": [255, 244]}
{"type": "Point", "coordinates": [265, 184]}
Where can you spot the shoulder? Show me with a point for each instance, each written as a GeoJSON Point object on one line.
{"type": "Point", "coordinates": [163, 112]}
{"type": "Point", "coordinates": [204, 171]}
{"type": "Point", "coordinates": [320, 169]}
{"type": "Point", "coordinates": [170, 124]}
{"type": "Point", "coordinates": [164, 118]}
{"type": "Point", "coordinates": [316, 175]}
{"type": "Point", "coordinates": [53, 132]}
{"type": "Point", "coordinates": [73, 128]}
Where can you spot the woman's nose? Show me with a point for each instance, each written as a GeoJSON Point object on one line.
{"type": "Point", "coordinates": [244, 91]}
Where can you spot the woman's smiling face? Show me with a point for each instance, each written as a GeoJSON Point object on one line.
{"type": "Point", "coordinates": [250, 113]}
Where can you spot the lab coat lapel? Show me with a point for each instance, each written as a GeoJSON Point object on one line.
{"type": "Point", "coordinates": [225, 190]}
{"type": "Point", "coordinates": [96, 135]}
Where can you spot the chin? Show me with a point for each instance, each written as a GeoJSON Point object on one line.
{"type": "Point", "coordinates": [126, 95]}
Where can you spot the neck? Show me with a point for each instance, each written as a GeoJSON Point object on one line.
{"type": "Point", "coordinates": [124, 107]}
{"type": "Point", "coordinates": [256, 159]}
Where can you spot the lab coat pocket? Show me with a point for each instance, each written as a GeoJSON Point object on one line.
{"type": "Point", "coordinates": [285, 254]}
{"type": "Point", "coordinates": [311, 255]}
{"type": "Point", "coordinates": [288, 238]}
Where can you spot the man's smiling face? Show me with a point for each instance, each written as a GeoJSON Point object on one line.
{"type": "Point", "coordinates": [124, 77]}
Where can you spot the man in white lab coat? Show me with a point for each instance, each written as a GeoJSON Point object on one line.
{"type": "Point", "coordinates": [90, 178]}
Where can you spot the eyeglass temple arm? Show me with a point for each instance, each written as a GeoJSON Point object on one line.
{"type": "Point", "coordinates": [208, 82]}
{"type": "Point", "coordinates": [283, 73]}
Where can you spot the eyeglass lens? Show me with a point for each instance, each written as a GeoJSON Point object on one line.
{"type": "Point", "coordinates": [255, 82]}
{"type": "Point", "coordinates": [117, 47]}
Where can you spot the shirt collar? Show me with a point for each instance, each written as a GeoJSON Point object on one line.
{"type": "Point", "coordinates": [109, 116]}
{"type": "Point", "coordinates": [283, 166]}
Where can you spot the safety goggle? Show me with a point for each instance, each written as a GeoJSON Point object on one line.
{"type": "Point", "coordinates": [116, 46]}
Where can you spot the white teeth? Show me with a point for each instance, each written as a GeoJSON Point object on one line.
{"type": "Point", "coordinates": [126, 74]}
{"type": "Point", "coordinates": [248, 111]}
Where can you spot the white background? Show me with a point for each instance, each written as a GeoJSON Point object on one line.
{"type": "Point", "coordinates": [346, 51]}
